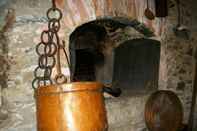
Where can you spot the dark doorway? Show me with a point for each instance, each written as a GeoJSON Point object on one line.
{"type": "Point", "coordinates": [85, 51]}
{"type": "Point", "coordinates": [136, 64]}
{"type": "Point", "coordinates": [85, 66]}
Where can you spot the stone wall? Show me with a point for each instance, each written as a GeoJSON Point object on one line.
{"type": "Point", "coordinates": [18, 60]}
{"type": "Point", "coordinates": [18, 42]}
{"type": "Point", "coordinates": [179, 55]}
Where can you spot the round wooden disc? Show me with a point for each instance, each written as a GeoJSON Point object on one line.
{"type": "Point", "coordinates": [163, 111]}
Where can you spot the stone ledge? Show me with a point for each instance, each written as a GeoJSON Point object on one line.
{"type": "Point", "coordinates": [126, 109]}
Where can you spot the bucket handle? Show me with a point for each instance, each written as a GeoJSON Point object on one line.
{"type": "Point", "coordinates": [115, 92]}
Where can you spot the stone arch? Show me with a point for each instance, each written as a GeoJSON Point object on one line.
{"type": "Point", "coordinates": [102, 28]}
{"type": "Point", "coordinates": [119, 22]}
{"type": "Point", "coordinates": [78, 12]}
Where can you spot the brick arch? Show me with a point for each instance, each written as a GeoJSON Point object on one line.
{"type": "Point", "coordinates": [78, 12]}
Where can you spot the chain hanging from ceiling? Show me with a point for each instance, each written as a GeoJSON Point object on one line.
{"type": "Point", "coordinates": [49, 50]}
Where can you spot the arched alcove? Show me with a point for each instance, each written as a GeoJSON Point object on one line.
{"type": "Point", "coordinates": [96, 56]}
{"type": "Point", "coordinates": [85, 44]}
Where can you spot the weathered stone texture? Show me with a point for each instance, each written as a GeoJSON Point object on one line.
{"type": "Point", "coordinates": [18, 43]}
{"type": "Point", "coordinates": [18, 95]}
{"type": "Point", "coordinates": [78, 12]}
{"type": "Point", "coordinates": [17, 111]}
{"type": "Point", "coordinates": [179, 59]}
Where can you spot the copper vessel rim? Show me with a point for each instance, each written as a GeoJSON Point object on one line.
{"type": "Point", "coordinates": [70, 87]}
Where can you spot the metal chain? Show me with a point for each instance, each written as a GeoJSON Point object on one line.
{"type": "Point", "coordinates": [48, 51]}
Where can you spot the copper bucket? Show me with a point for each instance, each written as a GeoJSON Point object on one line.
{"type": "Point", "coordinates": [77, 106]}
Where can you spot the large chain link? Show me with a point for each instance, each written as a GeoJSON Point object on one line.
{"type": "Point", "coordinates": [48, 51]}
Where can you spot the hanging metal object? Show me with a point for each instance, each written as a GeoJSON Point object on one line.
{"type": "Point", "coordinates": [148, 13]}
{"type": "Point", "coordinates": [181, 30]}
{"type": "Point", "coordinates": [76, 106]}
{"type": "Point", "coordinates": [61, 104]}
{"type": "Point", "coordinates": [48, 51]}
